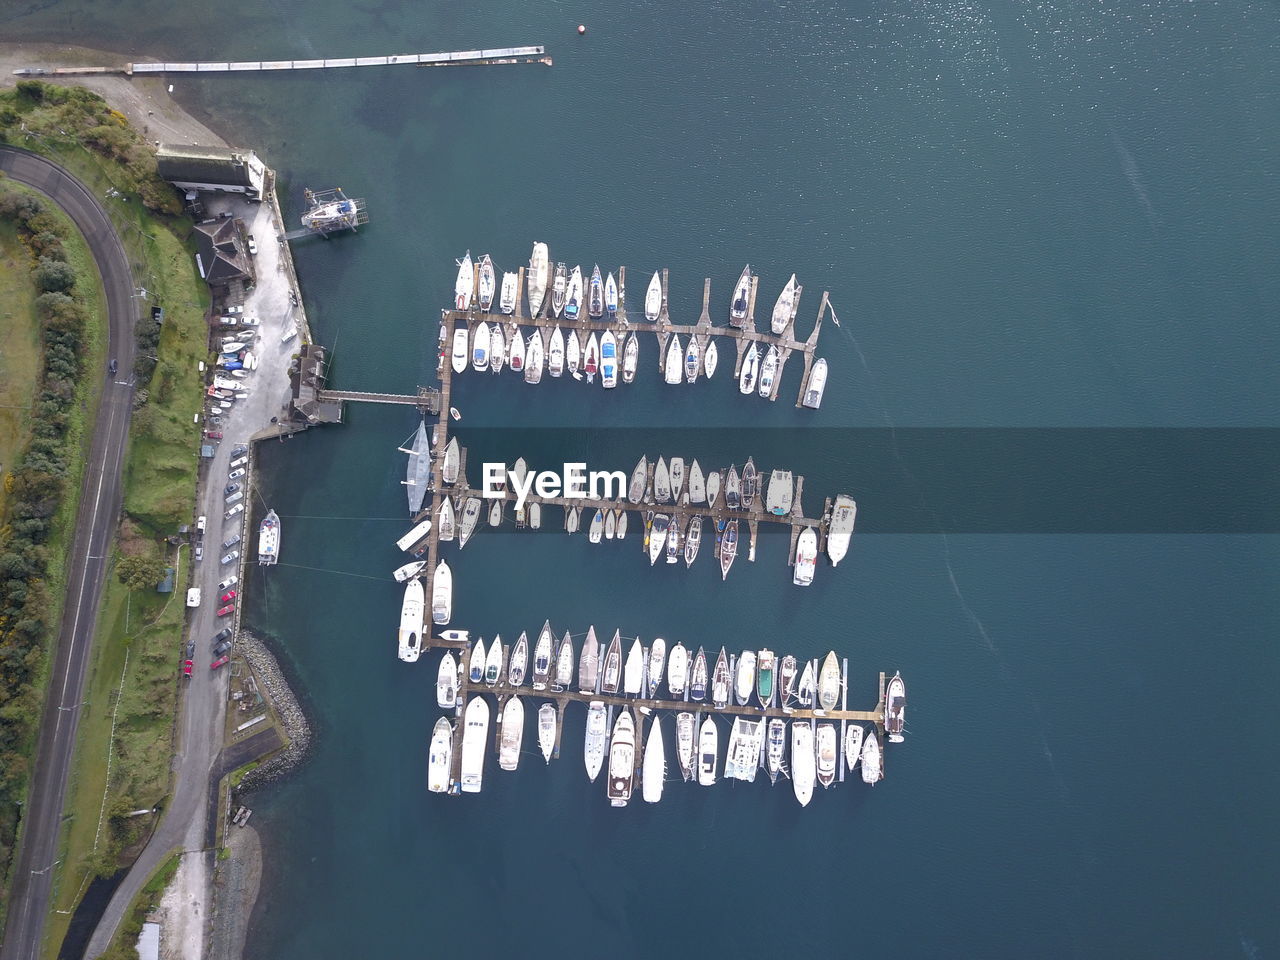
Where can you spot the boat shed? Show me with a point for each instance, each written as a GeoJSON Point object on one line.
{"type": "Point", "coordinates": [212, 169]}
{"type": "Point", "coordinates": [309, 405]}
{"type": "Point", "coordinates": [220, 252]}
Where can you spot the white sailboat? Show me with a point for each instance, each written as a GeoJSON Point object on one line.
{"type": "Point", "coordinates": [564, 663]}
{"type": "Point", "coordinates": [741, 296]}
{"type": "Point", "coordinates": [555, 354]}
{"type": "Point", "coordinates": [853, 734]}
{"type": "Point", "coordinates": [547, 719]}
{"type": "Point", "coordinates": [512, 735]}
{"type": "Point", "coordinates": [480, 343]}
{"type": "Point", "coordinates": [464, 285]}
{"type": "Point", "coordinates": [662, 482]}
{"type": "Point", "coordinates": [677, 478]}
{"type": "Point", "coordinates": [493, 662]}
{"type": "Point", "coordinates": [440, 757]}
{"type": "Point", "coordinates": [497, 348]}
{"type": "Point", "coordinates": [657, 660]}
{"type": "Point", "coordinates": [470, 517]}
{"type": "Point", "coordinates": [652, 298]}
{"type": "Point", "coordinates": [713, 487]}
{"type": "Point", "coordinates": [475, 737]}
{"type": "Point", "coordinates": [518, 662]}
{"type": "Point", "coordinates": [677, 670]}
{"type": "Point", "coordinates": [447, 682]}
{"type": "Point", "coordinates": [572, 353]}
{"type": "Point", "coordinates": [475, 665]}
{"type": "Point", "coordinates": [633, 674]}
{"type": "Point", "coordinates": [872, 758]}
{"type": "Point", "coordinates": [610, 524]}
{"type": "Point", "coordinates": [534, 359]}
{"type": "Point", "coordinates": [573, 295]}
{"type": "Point", "coordinates": [655, 763]}
{"type": "Point", "coordinates": [536, 279]}
{"type": "Point", "coordinates": [784, 308]}
{"type": "Point", "coordinates": [684, 744]}
{"type": "Point", "coordinates": [611, 296]}
{"type": "Point", "coordinates": [697, 485]}
{"type": "Point", "coordinates": [840, 530]}
{"type": "Point", "coordinates": [747, 376]}
{"type": "Point", "coordinates": [515, 351]}
{"type": "Point", "coordinates": [671, 366]}
{"type": "Point", "coordinates": [591, 357]}
{"type": "Point", "coordinates": [621, 525]}
{"type": "Point", "coordinates": [710, 358]}
{"type": "Point", "coordinates": [829, 682]}
{"type": "Point", "coordinates": [768, 370]}
{"type": "Point", "coordinates": [596, 529]}
{"type": "Point", "coordinates": [488, 282]}
{"type": "Point", "coordinates": [510, 291]}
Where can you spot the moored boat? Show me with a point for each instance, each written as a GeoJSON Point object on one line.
{"type": "Point", "coordinates": [671, 365]}
{"type": "Point", "coordinates": [697, 484]}
{"type": "Point", "coordinates": [608, 360]}
{"type": "Point", "coordinates": [698, 678]}
{"type": "Point", "coordinates": [853, 734]}
{"type": "Point", "coordinates": [555, 354]}
{"type": "Point", "coordinates": [710, 358]}
{"type": "Point", "coordinates": [678, 670]}
{"type": "Point", "coordinates": [635, 490]}
{"type": "Point", "coordinates": [475, 666]}
{"type": "Point", "coordinates": [559, 286]}
{"type": "Point", "coordinates": [895, 708]}
{"type": "Point", "coordinates": [768, 370]}
{"type": "Point", "coordinates": [676, 474]}
{"type": "Point", "coordinates": [653, 298]}
{"type": "Point", "coordinates": [658, 536]}
{"type": "Point", "coordinates": [589, 662]}
{"type": "Point", "coordinates": [269, 539]}
{"type": "Point", "coordinates": [744, 682]}
{"type": "Point", "coordinates": [630, 358]}
{"type": "Point", "coordinates": [442, 594]}
{"type": "Point", "coordinates": [510, 291]}
{"type": "Point", "coordinates": [518, 663]}
{"type": "Point", "coordinates": [657, 661]}
{"type": "Point", "coordinates": [713, 487]}
{"type": "Point", "coordinates": [418, 469]}
{"type": "Point", "coordinates": [750, 366]}
{"type": "Point", "coordinates": [661, 482]}
{"type": "Point", "coordinates": [803, 760]}
{"type": "Point", "coordinates": [595, 295]}
{"type": "Point", "coordinates": [597, 527]}
{"type": "Point", "coordinates": [612, 674]}
{"type": "Point", "coordinates": [784, 307]}
{"type": "Point", "coordinates": [775, 748]}
{"type": "Point", "coordinates": [741, 297]}
{"type": "Point", "coordinates": [542, 657]}
{"type": "Point", "coordinates": [611, 295]}
{"type": "Point", "coordinates": [515, 351]}
{"type": "Point", "coordinates": [495, 513]}
{"type": "Point", "coordinates": [572, 519]}
{"type": "Point", "coordinates": [411, 621]}
{"type": "Point", "coordinates": [742, 759]}
{"type": "Point", "coordinates": [591, 357]}
{"type": "Point", "coordinates": [692, 360]}
{"type": "Point", "coordinates": [826, 754]}
{"type": "Point", "coordinates": [464, 285]}
{"type": "Point", "coordinates": [654, 771]}
{"type": "Point", "coordinates": [622, 523]}
{"type": "Point", "coordinates": [488, 283]}
{"type": "Point", "coordinates": [610, 524]}
{"type": "Point", "coordinates": [721, 682]}
{"type": "Point", "coordinates": [780, 494]}
{"type": "Point", "coordinates": [597, 732]}
{"type": "Point", "coordinates": [829, 682]}
{"type": "Point", "coordinates": [564, 663]}
{"type": "Point", "coordinates": [684, 743]}
{"type": "Point", "coordinates": [475, 737]}
{"type": "Point", "coordinates": [732, 489]}
{"type": "Point", "coordinates": [547, 720]}
{"type": "Point", "coordinates": [622, 759]}
{"type": "Point", "coordinates": [536, 279]}
{"type": "Point", "coordinates": [440, 756]}
{"type": "Point", "coordinates": [674, 540]}
{"type": "Point", "coordinates": [573, 295]}
{"type": "Point", "coordinates": [872, 757]}
{"type": "Point", "coordinates": [412, 569]}
{"type": "Point", "coordinates": [786, 679]}
{"type": "Point", "coordinates": [512, 735]}
{"type": "Point", "coordinates": [750, 483]}
{"type": "Point", "coordinates": [708, 752]}
{"type": "Point", "coordinates": [806, 686]}
{"type": "Point", "coordinates": [764, 677]}
{"type": "Point", "coordinates": [493, 662]}
{"type": "Point", "coordinates": [840, 530]}
{"type": "Point", "coordinates": [633, 672]}
{"type": "Point", "coordinates": [449, 469]}
{"type": "Point", "coordinates": [806, 557]}
{"type": "Point", "coordinates": [534, 359]}
{"type": "Point", "coordinates": [572, 353]}
{"type": "Point", "coordinates": [728, 548]}
{"type": "Point", "coordinates": [413, 537]}
{"type": "Point", "coordinates": [692, 540]}
{"type": "Point", "coordinates": [816, 386]}
{"type": "Point", "coordinates": [497, 348]}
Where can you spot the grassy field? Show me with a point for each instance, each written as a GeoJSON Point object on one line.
{"type": "Point", "coordinates": [20, 359]}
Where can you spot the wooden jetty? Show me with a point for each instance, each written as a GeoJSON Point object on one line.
{"type": "Point", "coordinates": [502, 691]}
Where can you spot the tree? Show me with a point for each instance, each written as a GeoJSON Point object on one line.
{"type": "Point", "coordinates": [140, 573]}
{"type": "Point", "coordinates": [54, 276]}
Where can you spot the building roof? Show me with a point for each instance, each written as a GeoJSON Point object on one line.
{"type": "Point", "coordinates": [308, 382]}
{"type": "Point", "coordinates": [149, 942]}
{"type": "Point", "coordinates": [190, 163]}
{"type": "Point", "coordinates": [218, 243]}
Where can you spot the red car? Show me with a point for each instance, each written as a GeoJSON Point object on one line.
{"type": "Point", "coordinates": [213, 434]}
{"type": "Point", "coordinates": [219, 662]}
{"type": "Point", "coordinates": [229, 608]}
{"type": "Point", "coordinates": [187, 667]}
{"type": "Point", "coordinates": [228, 596]}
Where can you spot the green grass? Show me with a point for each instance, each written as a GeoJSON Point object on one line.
{"type": "Point", "coordinates": [20, 356]}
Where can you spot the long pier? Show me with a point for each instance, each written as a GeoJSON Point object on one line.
{"type": "Point", "coordinates": [640, 705]}
{"type": "Point", "coordinates": [496, 55]}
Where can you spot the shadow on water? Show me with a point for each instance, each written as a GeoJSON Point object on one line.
{"type": "Point", "coordinates": [88, 913]}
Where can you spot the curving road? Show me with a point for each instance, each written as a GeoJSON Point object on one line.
{"type": "Point", "coordinates": [90, 551]}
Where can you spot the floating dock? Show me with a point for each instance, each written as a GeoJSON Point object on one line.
{"type": "Point", "coordinates": [642, 707]}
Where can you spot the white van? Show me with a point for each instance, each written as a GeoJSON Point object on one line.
{"type": "Point", "coordinates": [289, 335]}
{"type": "Point", "coordinates": [193, 597]}
{"type": "Point", "coordinates": [235, 498]}
{"type": "Point", "coordinates": [236, 464]}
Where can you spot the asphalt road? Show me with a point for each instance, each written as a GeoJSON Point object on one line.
{"type": "Point", "coordinates": [90, 552]}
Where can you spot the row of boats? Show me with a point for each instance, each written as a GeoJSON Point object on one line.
{"type": "Point", "coordinates": [573, 295]}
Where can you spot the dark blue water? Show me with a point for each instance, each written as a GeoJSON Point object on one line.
{"type": "Point", "coordinates": [1053, 216]}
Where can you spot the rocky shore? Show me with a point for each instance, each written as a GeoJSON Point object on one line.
{"type": "Point", "coordinates": [272, 682]}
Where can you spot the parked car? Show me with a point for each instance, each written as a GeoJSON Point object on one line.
{"type": "Point", "coordinates": [187, 666]}
{"type": "Point", "coordinates": [238, 308]}
{"type": "Point", "coordinates": [226, 611]}
{"type": "Point", "coordinates": [231, 541]}
{"type": "Point", "coordinates": [221, 661]}
{"type": "Point", "coordinates": [230, 488]}
{"type": "Point", "coordinates": [231, 557]}
{"type": "Point", "coordinates": [251, 322]}
{"type": "Point", "coordinates": [200, 525]}
{"type": "Point", "coordinates": [199, 551]}
{"type": "Point", "coordinates": [238, 462]}
{"type": "Point", "coordinates": [191, 649]}
{"type": "Point", "coordinates": [213, 434]}
{"type": "Point", "coordinates": [228, 596]}
{"type": "Point", "coordinates": [238, 508]}
{"type": "Point", "coordinates": [111, 367]}
{"type": "Point", "coordinates": [228, 583]}
{"type": "Point", "coordinates": [222, 648]}
{"type": "Point", "coordinates": [253, 245]}
{"type": "Point", "coordinates": [236, 474]}
{"type": "Point", "coordinates": [239, 450]}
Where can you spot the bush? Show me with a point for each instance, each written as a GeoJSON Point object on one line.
{"type": "Point", "coordinates": [54, 276]}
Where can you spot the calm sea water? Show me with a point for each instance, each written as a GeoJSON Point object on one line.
{"type": "Point", "coordinates": [1059, 215]}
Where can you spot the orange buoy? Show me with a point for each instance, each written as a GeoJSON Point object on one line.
{"type": "Point", "coordinates": [582, 28]}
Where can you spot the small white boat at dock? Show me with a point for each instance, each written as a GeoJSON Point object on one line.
{"type": "Point", "coordinates": [447, 682]}
{"type": "Point", "coordinates": [654, 771]}
{"type": "Point", "coordinates": [596, 735]}
{"type": "Point", "coordinates": [708, 752]}
{"type": "Point", "coordinates": [653, 298]}
{"type": "Point", "coordinates": [547, 719]}
{"type": "Point", "coordinates": [475, 738]}
{"type": "Point", "coordinates": [710, 358]}
{"type": "Point", "coordinates": [816, 386]}
{"type": "Point", "coordinates": [440, 757]}
{"type": "Point", "coordinates": [442, 594]}
{"type": "Point", "coordinates": [512, 735]}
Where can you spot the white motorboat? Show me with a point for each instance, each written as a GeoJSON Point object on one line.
{"type": "Point", "coordinates": [488, 283]}
{"type": "Point", "coordinates": [741, 300]}
{"type": "Point", "coordinates": [678, 670]}
{"type": "Point", "coordinates": [895, 708]}
{"type": "Point", "coordinates": [674, 540]}
{"type": "Point", "coordinates": [653, 298]}
{"type": "Point", "coordinates": [512, 735]}
{"type": "Point", "coordinates": [630, 358]}
{"type": "Point", "coordinates": [555, 354]}
{"type": "Point", "coordinates": [708, 752]}
{"type": "Point", "coordinates": [475, 666]}
{"type": "Point", "coordinates": [710, 358]}
{"type": "Point", "coordinates": [559, 285]}
{"type": "Point", "coordinates": [475, 738]}
{"type": "Point", "coordinates": [573, 295]}
{"type": "Point", "coordinates": [442, 594]}
{"type": "Point", "coordinates": [572, 353]}
{"type": "Point", "coordinates": [806, 557]}
{"type": "Point", "coordinates": [515, 351]}
{"type": "Point", "coordinates": [840, 530]}
{"type": "Point", "coordinates": [692, 360]}
{"type": "Point", "coordinates": [654, 773]}
{"type": "Point", "coordinates": [816, 386]}
{"type": "Point", "coordinates": [697, 485]}
{"type": "Point", "coordinates": [415, 536]}
{"type": "Point", "coordinates": [745, 681]}
{"type": "Point", "coordinates": [633, 675]}
{"type": "Point", "coordinates": [684, 743]}
{"type": "Point", "coordinates": [829, 682]}
{"type": "Point", "coordinates": [536, 278]}
{"type": "Point", "coordinates": [803, 760]}
{"type": "Point", "coordinates": [547, 719]}
{"type": "Point", "coordinates": [595, 294]}
{"type": "Point", "coordinates": [784, 308]}
{"type": "Point", "coordinates": [622, 759]}
{"type": "Point", "coordinates": [459, 358]}
{"type": "Point", "coordinates": [447, 681]}
{"type": "Point", "coordinates": [765, 670]}
{"type": "Point", "coordinates": [826, 754]}
{"type": "Point", "coordinates": [671, 366]}
{"type": "Point", "coordinates": [596, 529]}
{"type": "Point", "coordinates": [608, 360]}
{"type": "Point", "coordinates": [768, 370]}
{"type": "Point", "coordinates": [449, 469]}
{"type": "Point", "coordinates": [440, 757]}
{"type": "Point", "coordinates": [750, 365]}
{"type": "Point", "coordinates": [518, 662]}
{"type": "Point", "coordinates": [775, 748]}
{"type": "Point", "coordinates": [464, 285]}
{"type": "Point", "coordinates": [497, 348]}
{"type": "Point", "coordinates": [657, 660]}
{"type": "Point", "coordinates": [779, 496]}
{"type": "Point", "coordinates": [872, 758]}
{"type": "Point", "coordinates": [853, 734]}
{"type": "Point", "coordinates": [534, 362]}
{"type": "Point", "coordinates": [597, 733]}
{"type": "Point", "coordinates": [402, 574]}
{"type": "Point", "coordinates": [411, 621]}
{"type": "Point", "coordinates": [510, 292]}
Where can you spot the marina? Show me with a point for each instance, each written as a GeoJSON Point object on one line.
{"type": "Point", "coordinates": [827, 736]}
